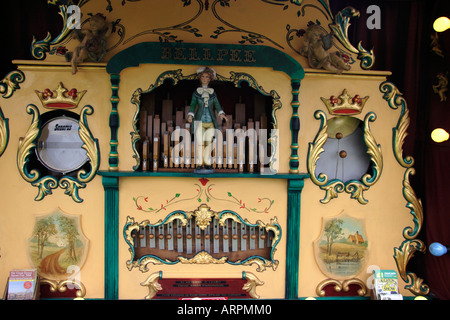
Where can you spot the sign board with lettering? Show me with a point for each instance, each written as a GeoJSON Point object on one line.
{"type": "Point", "coordinates": [205, 54]}
{"type": "Point", "coordinates": [386, 285]}
{"type": "Point", "coordinates": [202, 289]}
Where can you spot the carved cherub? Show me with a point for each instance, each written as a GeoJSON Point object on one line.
{"type": "Point", "coordinates": [92, 41]}
{"type": "Point", "coordinates": [435, 46]}
{"type": "Point", "coordinates": [315, 48]}
{"type": "Point", "coordinates": [442, 87]}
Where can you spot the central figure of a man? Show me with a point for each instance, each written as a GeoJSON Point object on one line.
{"type": "Point", "coordinates": [202, 110]}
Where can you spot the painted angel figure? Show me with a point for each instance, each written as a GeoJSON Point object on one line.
{"type": "Point", "coordinates": [204, 104]}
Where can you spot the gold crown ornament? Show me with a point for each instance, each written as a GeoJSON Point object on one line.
{"type": "Point", "coordinates": [60, 98]}
{"type": "Point", "coordinates": [345, 104]}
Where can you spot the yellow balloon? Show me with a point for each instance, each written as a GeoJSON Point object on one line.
{"type": "Point", "coordinates": [420, 298]}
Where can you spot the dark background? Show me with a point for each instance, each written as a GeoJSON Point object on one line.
{"type": "Point", "coordinates": [401, 45]}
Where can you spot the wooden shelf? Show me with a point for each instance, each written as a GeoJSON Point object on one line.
{"type": "Point", "coordinates": [287, 176]}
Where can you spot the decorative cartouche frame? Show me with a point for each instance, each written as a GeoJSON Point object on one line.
{"type": "Point", "coordinates": [176, 75]}
{"type": "Point", "coordinates": [28, 143]}
{"type": "Point", "coordinates": [411, 244]}
{"type": "Point", "coordinates": [335, 186]}
{"type": "Point", "coordinates": [203, 217]}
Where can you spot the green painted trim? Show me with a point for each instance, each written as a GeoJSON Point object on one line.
{"type": "Point", "coordinates": [295, 188]}
{"type": "Point", "coordinates": [205, 54]}
{"type": "Point", "coordinates": [111, 186]}
{"type": "Point", "coordinates": [295, 127]}
{"type": "Point", "coordinates": [4, 132]}
{"type": "Point", "coordinates": [114, 122]}
{"type": "Point", "coordinates": [285, 176]}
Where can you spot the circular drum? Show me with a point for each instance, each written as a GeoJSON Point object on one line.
{"type": "Point", "coordinates": [59, 145]}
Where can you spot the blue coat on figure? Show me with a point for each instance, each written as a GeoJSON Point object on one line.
{"type": "Point", "coordinates": [204, 101]}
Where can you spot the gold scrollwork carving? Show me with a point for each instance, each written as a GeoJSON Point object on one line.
{"type": "Point", "coordinates": [251, 285]}
{"type": "Point", "coordinates": [152, 284]}
{"type": "Point", "coordinates": [339, 286]}
{"type": "Point", "coordinates": [203, 218]}
{"type": "Point", "coordinates": [62, 286]}
{"type": "Point", "coordinates": [11, 83]}
{"type": "Point", "coordinates": [203, 257]}
{"type": "Point", "coordinates": [45, 184]}
{"type": "Point", "coordinates": [4, 133]}
{"type": "Point", "coordinates": [27, 143]}
{"type": "Point", "coordinates": [410, 245]}
{"type": "Point", "coordinates": [334, 187]}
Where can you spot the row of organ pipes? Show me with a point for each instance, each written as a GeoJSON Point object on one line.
{"type": "Point", "coordinates": [167, 148]}
{"type": "Point", "coordinates": [188, 240]}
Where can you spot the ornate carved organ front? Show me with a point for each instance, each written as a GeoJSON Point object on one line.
{"type": "Point", "coordinates": [203, 236]}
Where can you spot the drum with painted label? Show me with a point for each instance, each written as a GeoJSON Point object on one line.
{"type": "Point", "coordinates": [59, 146]}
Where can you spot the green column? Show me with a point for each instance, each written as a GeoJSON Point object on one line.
{"type": "Point", "coordinates": [114, 123]}
{"type": "Point", "coordinates": [111, 186]}
{"type": "Point", "coordinates": [295, 127]}
{"type": "Point", "coordinates": [293, 238]}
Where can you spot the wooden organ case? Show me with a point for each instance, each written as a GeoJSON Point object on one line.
{"type": "Point", "coordinates": [206, 235]}
{"type": "Point", "coordinates": [160, 217]}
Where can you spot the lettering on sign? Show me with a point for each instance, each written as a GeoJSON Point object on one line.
{"type": "Point", "coordinates": [64, 127]}
{"type": "Point", "coordinates": [207, 54]}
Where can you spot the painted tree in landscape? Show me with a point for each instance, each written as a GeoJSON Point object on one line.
{"type": "Point", "coordinates": [333, 230]}
{"type": "Point", "coordinates": [70, 232]}
{"type": "Point", "coordinates": [43, 229]}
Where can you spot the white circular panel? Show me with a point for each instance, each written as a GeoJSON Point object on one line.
{"type": "Point", "coordinates": [59, 145]}
{"type": "Point", "coordinates": [351, 167]}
